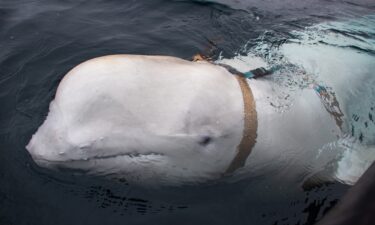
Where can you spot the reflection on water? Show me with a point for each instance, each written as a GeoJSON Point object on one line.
{"type": "Point", "coordinates": [42, 40]}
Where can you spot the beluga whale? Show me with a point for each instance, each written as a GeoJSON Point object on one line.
{"type": "Point", "coordinates": [161, 120]}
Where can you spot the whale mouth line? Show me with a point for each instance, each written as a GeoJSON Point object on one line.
{"type": "Point", "coordinates": [129, 155]}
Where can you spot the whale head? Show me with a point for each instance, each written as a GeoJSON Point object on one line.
{"type": "Point", "coordinates": [107, 120]}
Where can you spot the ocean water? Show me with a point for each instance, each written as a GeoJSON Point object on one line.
{"type": "Point", "coordinates": [41, 40]}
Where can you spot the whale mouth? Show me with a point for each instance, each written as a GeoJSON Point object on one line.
{"type": "Point", "coordinates": [105, 157]}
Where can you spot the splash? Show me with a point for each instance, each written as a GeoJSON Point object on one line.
{"type": "Point", "coordinates": [339, 56]}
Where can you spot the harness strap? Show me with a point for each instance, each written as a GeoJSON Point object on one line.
{"type": "Point", "coordinates": [250, 127]}
{"type": "Point", "coordinates": [249, 134]}
{"type": "Point", "coordinates": [251, 74]}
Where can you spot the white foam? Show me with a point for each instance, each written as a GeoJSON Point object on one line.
{"type": "Point", "coordinates": [338, 56]}
{"type": "Point", "coordinates": [332, 60]}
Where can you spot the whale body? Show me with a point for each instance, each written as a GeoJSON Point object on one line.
{"type": "Point", "coordinates": [165, 120]}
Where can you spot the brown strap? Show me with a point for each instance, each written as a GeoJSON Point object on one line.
{"type": "Point", "coordinates": [250, 127]}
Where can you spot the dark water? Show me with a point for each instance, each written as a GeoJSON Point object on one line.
{"type": "Point", "coordinates": [41, 40]}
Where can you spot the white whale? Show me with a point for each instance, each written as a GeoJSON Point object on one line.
{"type": "Point", "coordinates": [164, 120]}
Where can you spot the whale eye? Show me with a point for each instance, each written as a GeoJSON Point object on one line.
{"type": "Point", "coordinates": [205, 140]}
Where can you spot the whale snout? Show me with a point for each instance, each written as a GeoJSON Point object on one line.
{"type": "Point", "coordinates": [49, 151]}
{"type": "Point", "coordinates": [44, 152]}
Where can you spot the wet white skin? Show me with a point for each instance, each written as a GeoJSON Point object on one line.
{"type": "Point", "coordinates": [296, 132]}
{"type": "Point", "coordinates": [292, 126]}
{"type": "Point", "coordinates": [149, 119]}
{"type": "Point", "coordinates": [163, 120]}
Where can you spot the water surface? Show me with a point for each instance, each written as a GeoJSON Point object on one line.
{"type": "Point", "coordinates": [42, 40]}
